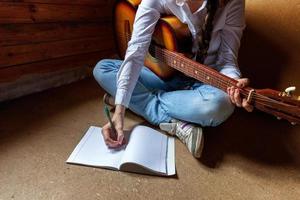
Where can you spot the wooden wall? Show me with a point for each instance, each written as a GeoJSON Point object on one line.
{"type": "Point", "coordinates": [43, 37]}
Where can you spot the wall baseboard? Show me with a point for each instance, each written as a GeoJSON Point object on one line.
{"type": "Point", "coordinates": [39, 82]}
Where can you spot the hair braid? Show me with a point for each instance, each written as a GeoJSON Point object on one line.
{"type": "Point", "coordinates": [207, 28]}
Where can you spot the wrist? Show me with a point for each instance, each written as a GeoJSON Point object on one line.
{"type": "Point", "coordinates": [120, 109]}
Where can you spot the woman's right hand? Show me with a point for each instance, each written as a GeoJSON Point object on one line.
{"type": "Point", "coordinates": [112, 139]}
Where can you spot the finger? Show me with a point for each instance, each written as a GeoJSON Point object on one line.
{"type": "Point", "coordinates": [120, 136]}
{"type": "Point", "coordinates": [228, 90]}
{"type": "Point", "coordinates": [113, 134]}
{"type": "Point", "coordinates": [110, 131]}
{"type": "Point", "coordinates": [237, 98]}
{"type": "Point", "coordinates": [106, 132]}
{"type": "Point", "coordinates": [247, 106]}
{"type": "Point", "coordinates": [124, 141]}
{"type": "Point", "coordinates": [231, 92]}
{"type": "Point", "coordinates": [242, 82]}
{"type": "Point", "coordinates": [112, 143]}
{"type": "Point", "coordinates": [108, 140]}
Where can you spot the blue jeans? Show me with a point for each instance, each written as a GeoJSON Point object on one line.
{"type": "Point", "coordinates": [160, 100]}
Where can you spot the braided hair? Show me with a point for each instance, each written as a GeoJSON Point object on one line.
{"type": "Point", "coordinates": [206, 30]}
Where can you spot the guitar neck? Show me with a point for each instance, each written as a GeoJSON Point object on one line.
{"type": "Point", "coordinates": [209, 76]}
{"type": "Point", "coordinates": [194, 69]}
{"type": "Point", "coordinates": [280, 104]}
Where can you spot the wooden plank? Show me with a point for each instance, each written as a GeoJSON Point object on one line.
{"type": "Point", "coordinates": [21, 54]}
{"type": "Point", "coordinates": [84, 60]}
{"type": "Point", "coordinates": [39, 82]}
{"type": "Point", "coordinates": [16, 34]}
{"type": "Point", "coordinates": [36, 13]}
{"type": "Point", "coordinates": [68, 2]}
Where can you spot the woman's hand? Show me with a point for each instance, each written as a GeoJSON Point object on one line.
{"type": "Point", "coordinates": [112, 139]}
{"type": "Point", "coordinates": [235, 97]}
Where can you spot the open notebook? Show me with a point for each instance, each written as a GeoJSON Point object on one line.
{"type": "Point", "coordinates": [147, 151]}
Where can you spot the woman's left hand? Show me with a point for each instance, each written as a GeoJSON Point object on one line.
{"type": "Point", "coordinates": [235, 97]}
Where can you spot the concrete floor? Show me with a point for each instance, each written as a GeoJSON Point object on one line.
{"type": "Point", "coordinates": [38, 132]}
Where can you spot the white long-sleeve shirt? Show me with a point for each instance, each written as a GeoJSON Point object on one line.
{"type": "Point", "coordinates": [223, 49]}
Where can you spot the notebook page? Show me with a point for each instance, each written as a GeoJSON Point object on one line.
{"type": "Point", "coordinates": [93, 151]}
{"type": "Point", "coordinates": [147, 147]}
{"type": "Point", "coordinates": [171, 156]}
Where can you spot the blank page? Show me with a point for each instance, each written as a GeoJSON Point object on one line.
{"type": "Point", "coordinates": [148, 148]}
{"type": "Point", "coordinates": [171, 157]}
{"type": "Point", "coordinates": [93, 151]}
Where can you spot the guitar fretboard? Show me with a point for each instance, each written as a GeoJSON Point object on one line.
{"type": "Point", "coordinates": [194, 69]}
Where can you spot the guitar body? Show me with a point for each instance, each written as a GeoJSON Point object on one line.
{"type": "Point", "coordinates": [169, 33]}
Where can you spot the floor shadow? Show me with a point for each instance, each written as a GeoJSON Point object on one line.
{"type": "Point", "coordinates": [20, 115]}
{"type": "Point", "coordinates": [256, 136]}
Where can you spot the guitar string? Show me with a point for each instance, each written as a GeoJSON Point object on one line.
{"type": "Point", "coordinates": [224, 85]}
{"type": "Point", "coordinates": [265, 101]}
{"type": "Point", "coordinates": [151, 47]}
{"type": "Point", "coordinates": [278, 113]}
{"type": "Point", "coordinates": [221, 83]}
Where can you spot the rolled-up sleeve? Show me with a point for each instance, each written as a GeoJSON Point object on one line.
{"type": "Point", "coordinates": [146, 18]}
{"type": "Point", "coordinates": [231, 36]}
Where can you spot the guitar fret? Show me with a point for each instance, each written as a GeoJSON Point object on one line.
{"type": "Point", "coordinates": [188, 67]}
{"type": "Point", "coordinates": [209, 76]}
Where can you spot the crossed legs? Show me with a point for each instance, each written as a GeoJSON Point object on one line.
{"type": "Point", "coordinates": [160, 101]}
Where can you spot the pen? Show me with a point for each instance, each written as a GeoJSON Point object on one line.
{"type": "Point", "coordinates": [107, 114]}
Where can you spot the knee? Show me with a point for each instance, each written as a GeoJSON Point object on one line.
{"type": "Point", "coordinates": [97, 71]}
{"type": "Point", "coordinates": [104, 67]}
{"type": "Point", "coordinates": [101, 67]}
{"type": "Point", "coordinates": [218, 110]}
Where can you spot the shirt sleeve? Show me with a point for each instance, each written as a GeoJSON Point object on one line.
{"type": "Point", "coordinates": [231, 36]}
{"type": "Point", "coordinates": [147, 15]}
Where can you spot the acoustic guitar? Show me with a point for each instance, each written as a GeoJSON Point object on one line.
{"type": "Point", "coordinates": [168, 56]}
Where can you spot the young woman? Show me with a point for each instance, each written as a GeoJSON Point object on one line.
{"type": "Point", "coordinates": [180, 106]}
